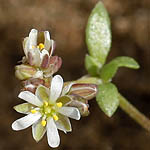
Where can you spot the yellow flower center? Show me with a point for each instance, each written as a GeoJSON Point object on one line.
{"type": "Point", "coordinates": [41, 46]}
{"type": "Point", "coordinates": [46, 103]}
{"type": "Point", "coordinates": [43, 123]}
{"type": "Point", "coordinates": [50, 110]}
{"type": "Point", "coordinates": [33, 111]}
{"type": "Point", "coordinates": [59, 104]}
{"type": "Point", "coordinates": [55, 117]}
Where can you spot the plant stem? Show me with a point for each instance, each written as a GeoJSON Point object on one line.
{"type": "Point", "coordinates": [124, 104]}
{"type": "Point", "coordinates": [134, 113]}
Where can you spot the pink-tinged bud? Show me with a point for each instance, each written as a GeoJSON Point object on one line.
{"type": "Point", "coordinates": [45, 61]}
{"type": "Point", "coordinates": [87, 91]}
{"type": "Point", "coordinates": [30, 58]}
{"type": "Point", "coordinates": [24, 72]}
{"type": "Point", "coordinates": [32, 84]}
{"type": "Point", "coordinates": [54, 65]}
{"type": "Point", "coordinates": [79, 103]}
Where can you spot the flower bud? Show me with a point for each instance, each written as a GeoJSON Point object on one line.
{"type": "Point", "coordinates": [87, 91]}
{"type": "Point", "coordinates": [82, 107]}
{"type": "Point", "coordinates": [55, 63]}
{"type": "Point", "coordinates": [32, 84]}
{"type": "Point", "coordinates": [24, 72]}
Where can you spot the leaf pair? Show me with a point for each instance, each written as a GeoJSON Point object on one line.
{"type": "Point", "coordinates": [98, 39]}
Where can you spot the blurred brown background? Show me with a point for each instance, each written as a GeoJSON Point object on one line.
{"type": "Point", "coordinates": [66, 20]}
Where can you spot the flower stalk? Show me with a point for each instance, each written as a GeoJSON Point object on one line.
{"type": "Point", "coordinates": [134, 113]}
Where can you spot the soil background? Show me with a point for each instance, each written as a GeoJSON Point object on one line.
{"type": "Point", "coordinates": [66, 20]}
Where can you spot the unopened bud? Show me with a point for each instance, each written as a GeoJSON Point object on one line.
{"type": "Point", "coordinates": [87, 91]}
{"type": "Point", "coordinates": [24, 72]}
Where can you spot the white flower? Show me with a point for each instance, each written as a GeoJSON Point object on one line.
{"type": "Point", "coordinates": [38, 47]}
{"type": "Point", "coordinates": [46, 111]}
{"type": "Point", "coordinates": [38, 61]}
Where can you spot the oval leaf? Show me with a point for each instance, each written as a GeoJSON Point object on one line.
{"type": "Point", "coordinates": [98, 34]}
{"type": "Point", "coordinates": [109, 70]}
{"type": "Point", "coordinates": [107, 98]}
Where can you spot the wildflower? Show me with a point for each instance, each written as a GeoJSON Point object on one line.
{"type": "Point", "coordinates": [38, 49]}
{"type": "Point", "coordinates": [46, 111]}
{"type": "Point", "coordinates": [79, 93]}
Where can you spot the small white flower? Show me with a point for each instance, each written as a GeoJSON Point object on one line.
{"type": "Point", "coordinates": [46, 111]}
{"type": "Point", "coordinates": [38, 47]}
{"type": "Point", "coordinates": [38, 61]}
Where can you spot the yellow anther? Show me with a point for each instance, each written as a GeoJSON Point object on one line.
{"type": "Point", "coordinates": [43, 123]}
{"type": "Point", "coordinates": [59, 104]}
{"type": "Point", "coordinates": [46, 103]}
{"type": "Point", "coordinates": [33, 46]}
{"type": "Point", "coordinates": [41, 46]}
{"type": "Point", "coordinates": [55, 117]}
{"type": "Point", "coordinates": [33, 111]}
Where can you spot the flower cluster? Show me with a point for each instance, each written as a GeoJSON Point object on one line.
{"type": "Point", "coordinates": [49, 101]}
{"type": "Point", "coordinates": [38, 61]}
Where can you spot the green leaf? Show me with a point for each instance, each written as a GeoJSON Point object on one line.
{"type": "Point", "coordinates": [107, 98]}
{"type": "Point", "coordinates": [109, 70]}
{"type": "Point", "coordinates": [92, 65]}
{"type": "Point", "coordinates": [98, 34]}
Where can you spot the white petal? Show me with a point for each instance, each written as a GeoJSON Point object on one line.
{"type": "Point", "coordinates": [30, 98]}
{"type": "Point", "coordinates": [52, 47]}
{"type": "Point", "coordinates": [52, 133]}
{"type": "Point", "coordinates": [56, 87]}
{"type": "Point", "coordinates": [71, 112]}
{"type": "Point", "coordinates": [35, 53]}
{"type": "Point", "coordinates": [47, 42]}
{"type": "Point", "coordinates": [25, 122]}
{"type": "Point", "coordinates": [33, 38]}
{"type": "Point", "coordinates": [25, 46]}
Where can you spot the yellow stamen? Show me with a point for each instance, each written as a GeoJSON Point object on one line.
{"type": "Point", "coordinates": [41, 46]}
{"type": "Point", "coordinates": [59, 104]}
{"type": "Point", "coordinates": [46, 103]}
{"type": "Point", "coordinates": [55, 117]}
{"type": "Point", "coordinates": [43, 122]}
{"type": "Point", "coordinates": [33, 111]}
{"type": "Point", "coordinates": [33, 46]}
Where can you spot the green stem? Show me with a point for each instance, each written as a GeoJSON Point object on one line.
{"type": "Point", "coordinates": [124, 104]}
{"type": "Point", "coordinates": [134, 113]}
